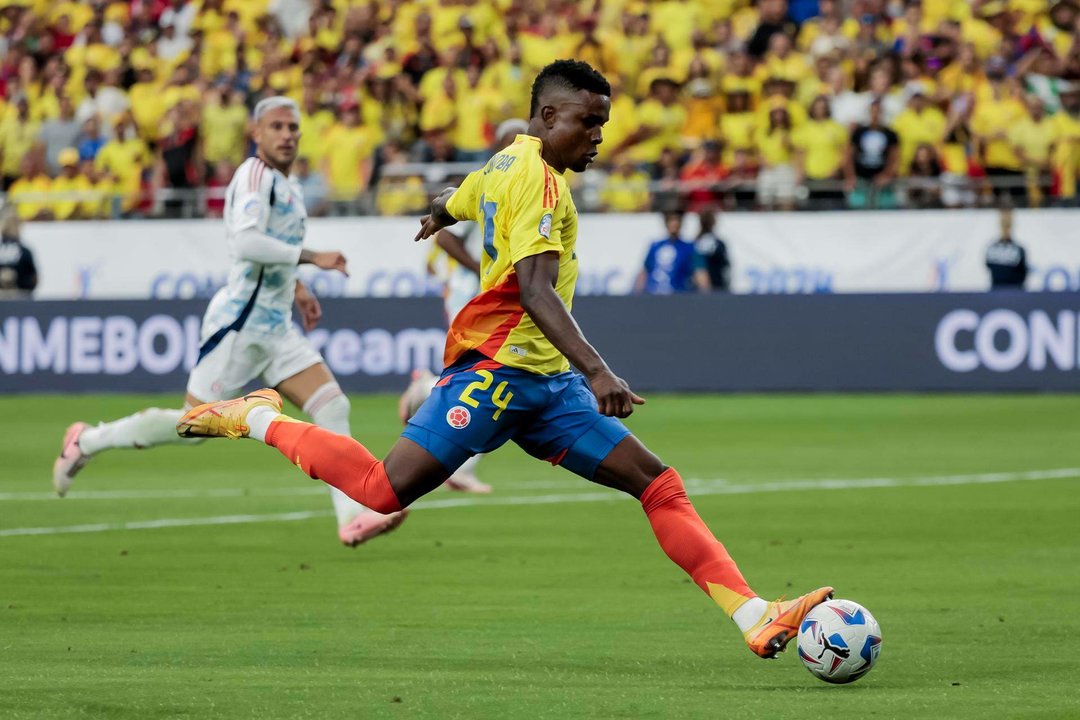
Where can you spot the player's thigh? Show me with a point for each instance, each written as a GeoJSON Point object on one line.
{"type": "Point", "coordinates": [473, 410]}
{"type": "Point", "coordinates": [570, 431]}
{"type": "Point", "coordinates": [629, 467]}
{"type": "Point", "coordinates": [224, 369]}
{"type": "Point", "coordinates": [299, 388]}
{"type": "Point", "coordinates": [295, 367]}
{"type": "Point", "coordinates": [413, 470]}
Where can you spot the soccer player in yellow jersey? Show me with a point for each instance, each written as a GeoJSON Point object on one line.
{"type": "Point", "coordinates": [508, 356]}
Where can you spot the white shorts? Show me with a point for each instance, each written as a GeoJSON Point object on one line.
{"type": "Point", "coordinates": [242, 356]}
{"type": "Point", "coordinates": [776, 184]}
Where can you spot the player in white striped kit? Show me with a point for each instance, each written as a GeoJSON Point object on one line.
{"type": "Point", "coordinates": [247, 331]}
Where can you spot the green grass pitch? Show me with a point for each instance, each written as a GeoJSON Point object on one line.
{"type": "Point", "coordinates": [955, 519]}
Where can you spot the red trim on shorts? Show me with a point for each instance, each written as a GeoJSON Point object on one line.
{"type": "Point", "coordinates": [556, 459]}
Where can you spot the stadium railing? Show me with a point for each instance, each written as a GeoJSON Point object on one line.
{"type": "Point", "coordinates": [730, 194]}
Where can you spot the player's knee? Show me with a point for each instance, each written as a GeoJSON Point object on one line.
{"type": "Point", "coordinates": [329, 408]}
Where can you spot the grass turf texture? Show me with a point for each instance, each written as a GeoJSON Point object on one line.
{"type": "Point", "coordinates": [550, 610]}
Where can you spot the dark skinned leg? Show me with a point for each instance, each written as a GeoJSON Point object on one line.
{"type": "Point", "coordinates": [413, 471]}
{"type": "Point", "coordinates": [630, 467]}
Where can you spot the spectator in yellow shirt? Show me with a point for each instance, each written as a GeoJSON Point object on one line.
{"type": "Point", "coordinates": [990, 123]}
{"type": "Point", "coordinates": [661, 119]}
{"type": "Point", "coordinates": [347, 163]}
{"type": "Point", "coordinates": [738, 126]}
{"type": "Point", "coordinates": [122, 161]}
{"type": "Point", "coordinates": [1031, 139]}
{"type": "Point", "coordinates": [821, 144]}
{"type": "Point", "coordinates": [29, 193]}
{"type": "Point", "coordinates": [776, 182]}
{"type": "Point", "coordinates": [223, 127]}
{"type": "Point", "coordinates": [70, 188]}
{"type": "Point", "coordinates": [626, 189]}
{"type": "Point", "coordinates": [1066, 153]}
{"type": "Point", "coordinates": [782, 61]}
{"type": "Point", "coordinates": [18, 134]}
{"type": "Point", "coordinates": [920, 123]}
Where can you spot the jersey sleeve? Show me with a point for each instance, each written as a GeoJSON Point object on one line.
{"type": "Point", "coordinates": [251, 199]}
{"type": "Point", "coordinates": [249, 216]}
{"type": "Point", "coordinates": [465, 202]}
{"type": "Point", "coordinates": [535, 203]}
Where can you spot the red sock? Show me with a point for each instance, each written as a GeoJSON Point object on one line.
{"type": "Point", "coordinates": [337, 460]}
{"type": "Point", "coordinates": [689, 543]}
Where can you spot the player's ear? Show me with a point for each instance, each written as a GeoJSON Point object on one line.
{"type": "Point", "coordinates": [547, 114]}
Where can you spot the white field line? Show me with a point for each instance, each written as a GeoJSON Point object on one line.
{"type": "Point", "coordinates": [700, 487]}
{"type": "Point", "coordinates": [697, 485]}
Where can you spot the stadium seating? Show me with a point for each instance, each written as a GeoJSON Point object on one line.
{"type": "Point", "coordinates": [731, 103]}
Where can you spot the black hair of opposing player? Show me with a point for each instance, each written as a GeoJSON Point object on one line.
{"type": "Point", "coordinates": [570, 75]}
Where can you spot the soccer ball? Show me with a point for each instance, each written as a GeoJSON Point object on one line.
{"type": "Point", "coordinates": [839, 641]}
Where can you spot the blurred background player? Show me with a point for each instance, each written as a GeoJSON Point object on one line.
{"type": "Point", "coordinates": [247, 331]}
{"type": "Point", "coordinates": [1005, 259]}
{"type": "Point", "coordinates": [463, 244]}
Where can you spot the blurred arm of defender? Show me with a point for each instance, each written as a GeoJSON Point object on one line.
{"type": "Point", "coordinates": [455, 248]}
{"type": "Point", "coordinates": [247, 221]}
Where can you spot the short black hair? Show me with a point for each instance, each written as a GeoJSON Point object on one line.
{"type": "Point", "coordinates": [571, 75]}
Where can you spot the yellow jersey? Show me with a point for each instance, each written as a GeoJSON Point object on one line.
{"type": "Point", "coordinates": [524, 208]}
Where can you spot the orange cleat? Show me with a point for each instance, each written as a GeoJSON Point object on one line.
{"type": "Point", "coordinates": [780, 623]}
{"type": "Point", "coordinates": [227, 418]}
{"type": "Point", "coordinates": [369, 524]}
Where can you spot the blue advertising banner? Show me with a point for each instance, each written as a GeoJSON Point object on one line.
{"type": "Point", "coordinates": [896, 342]}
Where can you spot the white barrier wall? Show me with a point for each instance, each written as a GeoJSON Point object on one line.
{"type": "Point", "coordinates": [771, 253]}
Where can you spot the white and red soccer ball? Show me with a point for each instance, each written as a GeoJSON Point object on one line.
{"type": "Point", "coordinates": [839, 641]}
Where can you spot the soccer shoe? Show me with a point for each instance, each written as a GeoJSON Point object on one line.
{"type": "Point", "coordinates": [780, 623]}
{"type": "Point", "coordinates": [369, 524]}
{"type": "Point", "coordinates": [72, 459]}
{"type": "Point", "coordinates": [228, 418]}
{"type": "Point", "coordinates": [467, 483]}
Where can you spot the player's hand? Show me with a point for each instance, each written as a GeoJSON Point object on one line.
{"type": "Point", "coordinates": [309, 307]}
{"type": "Point", "coordinates": [428, 227]}
{"type": "Point", "coordinates": [437, 219]}
{"type": "Point", "coordinates": [330, 260]}
{"type": "Point", "coordinates": [613, 395]}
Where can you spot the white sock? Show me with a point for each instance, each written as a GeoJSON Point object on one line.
{"type": "Point", "coordinates": [144, 429]}
{"type": "Point", "coordinates": [469, 466]}
{"type": "Point", "coordinates": [258, 420]}
{"type": "Point", "coordinates": [747, 615]}
{"type": "Point", "coordinates": [328, 408]}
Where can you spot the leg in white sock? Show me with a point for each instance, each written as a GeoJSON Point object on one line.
{"type": "Point", "coordinates": [144, 429]}
{"type": "Point", "coordinates": [328, 407]}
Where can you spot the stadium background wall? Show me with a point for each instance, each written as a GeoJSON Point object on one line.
{"type": "Point", "coordinates": [772, 253]}
{"type": "Point", "coordinates": [895, 342]}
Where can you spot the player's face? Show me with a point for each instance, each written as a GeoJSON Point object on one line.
{"type": "Point", "coordinates": [577, 129]}
{"type": "Point", "coordinates": [277, 134]}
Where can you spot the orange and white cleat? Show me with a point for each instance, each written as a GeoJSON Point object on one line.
{"type": "Point", "coordinates": [780, 622]}
{"type": "Point", "coordinates": [72, 459]}
{"type": "Point", "coordinates": [228, 418]}
{"type": "Point", "coordinates": [369, 524]}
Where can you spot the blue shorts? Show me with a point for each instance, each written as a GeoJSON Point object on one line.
{"type": "Point", "coordinates": [479, 404]}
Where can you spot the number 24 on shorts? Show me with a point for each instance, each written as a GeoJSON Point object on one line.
{"type": "Point", "coordinates": [500, 398]}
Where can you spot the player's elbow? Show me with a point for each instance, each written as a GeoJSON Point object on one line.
{"type": "Point", "coordinates": [531, 297]}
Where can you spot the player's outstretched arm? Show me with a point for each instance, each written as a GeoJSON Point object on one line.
{"type": "Point", "coordinates": [327, 260]}
{"type": "Point", "coordinates": [536, 277]}
{"type": "Point", "coordinates": [438, 218]}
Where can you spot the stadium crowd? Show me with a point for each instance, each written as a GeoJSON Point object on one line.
{"type": "Point", "coordinates": [131, 108]}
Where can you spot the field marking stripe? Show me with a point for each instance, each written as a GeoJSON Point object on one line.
{"type": "Point", "coordinates": [694, 484]}
{"type": "Point", "coordinates": [720, 488]}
